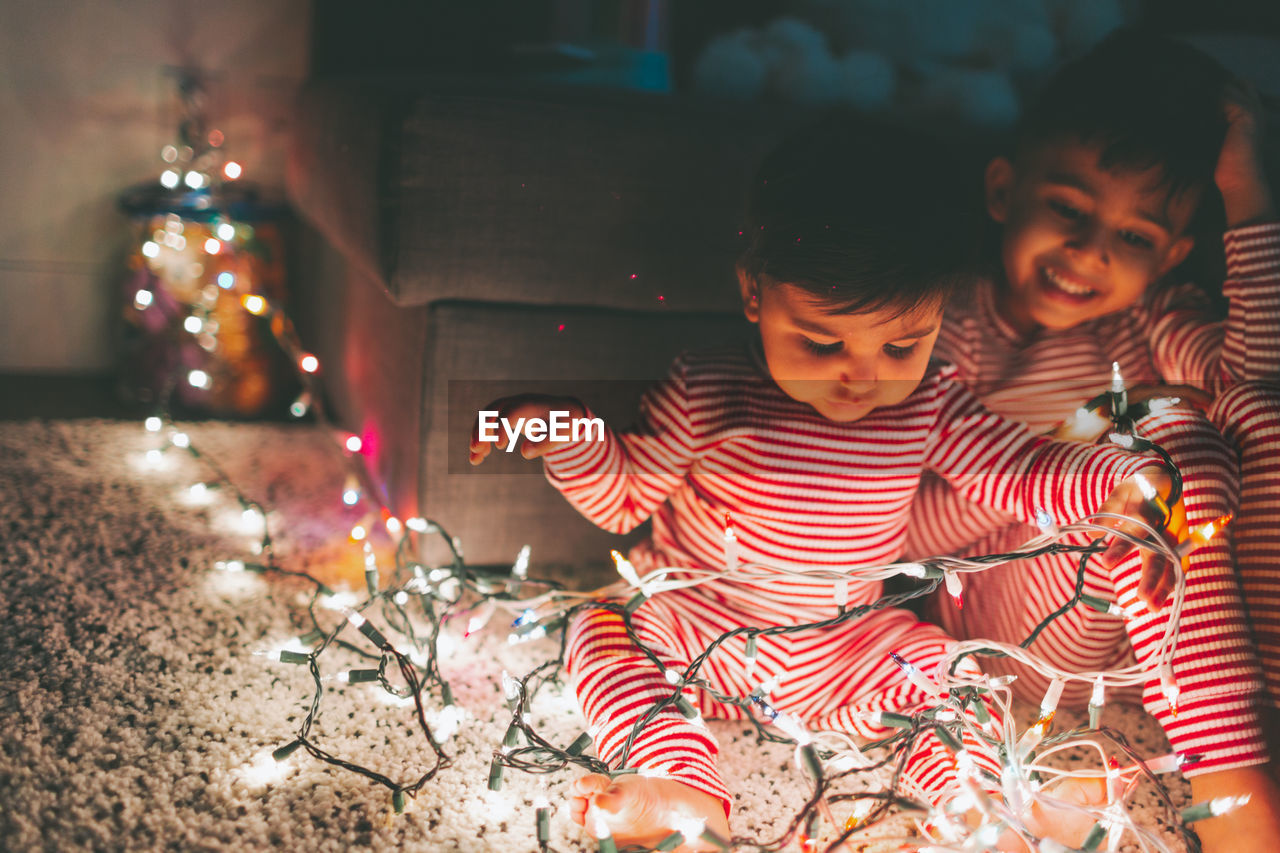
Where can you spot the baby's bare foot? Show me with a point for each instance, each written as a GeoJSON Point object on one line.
{"type": "Point", "coordinates": [1066, 825]}
{"type": "Point", "coordinates": [643, 810]}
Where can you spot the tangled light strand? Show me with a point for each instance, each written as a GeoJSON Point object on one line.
{"type": "Point", "coordinates": [419, 600]}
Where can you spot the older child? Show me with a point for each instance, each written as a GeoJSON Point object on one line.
{"type": "Point", "coordinates": [1096, 203]}
{"type": "Point", "coordinates": [812, 441]}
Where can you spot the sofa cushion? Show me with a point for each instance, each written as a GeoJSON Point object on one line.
{"type": "Point", "coordinates": [478, 352]}
{"type": "Point", "coordinates": [448, 189]}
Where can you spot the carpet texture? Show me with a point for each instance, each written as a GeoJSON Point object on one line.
{"type": "Point", "coordinates": [136, 716]}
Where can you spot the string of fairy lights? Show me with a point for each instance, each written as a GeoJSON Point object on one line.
{"type": "Point", "coordinates": [397, 626]}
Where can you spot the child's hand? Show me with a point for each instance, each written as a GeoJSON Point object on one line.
{"type": "Point", "coordinates": [1246, 196]}
{"type": "Point", "coordinates": [511, 411]}
{"type": "Point", "coordinates": [1158, 573]}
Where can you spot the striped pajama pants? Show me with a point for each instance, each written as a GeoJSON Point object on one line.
{"type": "Point", "coordinates": [826, 676]}
{"type": "Point", "coordinates": [1215, 664]}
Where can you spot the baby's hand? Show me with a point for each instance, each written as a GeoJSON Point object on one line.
{"type": "Point", "coordinates": [1158, 572]}
{"type": "Point", "coordinates": [511, 411]}
{"type": "Point", "coordinates": [1246, 196]}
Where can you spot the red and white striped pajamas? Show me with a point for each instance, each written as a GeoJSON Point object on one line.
{"type": "Point", "coordinates": [718, 436]}
{"type": "Point", "coordinates": [1040, 380]}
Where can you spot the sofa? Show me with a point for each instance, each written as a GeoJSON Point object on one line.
{"type": "Point", "coordinates": [464, 239]}
{"type": "Point", "coordinates": [468, 236]}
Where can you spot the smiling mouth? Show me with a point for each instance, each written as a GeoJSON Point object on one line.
{"type": "Point", "coordinates": [1062, 285]}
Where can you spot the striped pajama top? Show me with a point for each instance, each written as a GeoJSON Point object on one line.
{"type": "Point", "coordinates": [718, 437]}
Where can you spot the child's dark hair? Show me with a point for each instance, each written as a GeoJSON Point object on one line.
{"type": "Point", "coordinates": [863, 218]}
{"type": "Point", "coordinates": [1146, 100]}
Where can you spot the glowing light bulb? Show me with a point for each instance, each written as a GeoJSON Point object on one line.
{"type": "Point", "coordinates": [448, 721]}
{"type": "Point", "coordinates": [1122, 440]}
{"type": "Point", "coordinates": [1169, 687]}
{"type": "Point", "coordinates": [180, 439]}
{"type": "Point", "coordinates": [861, 808]}
{"type": "Point", "coordinates": [226, 231]}
{"type": "Point", "coordinates": [480, 617]}
{"type": "Point", "coordinates": [351, 497]}
{"type": "Point", "coordinates": [340, 601]}
{"type": "Point", "coordinates": [1216, 807]}
{"type": "Point", "coordinates": [195, 180]}
{"type": "Point", "coordinates": [1165, 763]}
{"type": "Point", "coordinates": [299, 407]}
{"type": "Point", "coordinates": [767, 686]}
{"type": "Point", "coordinates": [353, 444]}
{"type": "Point", "coordinates": [1046, 522]}
{"type": "Point", "coordinates": [231, 170]}
{"type": "Point", "coordinates": [1119, 400]}
{"type": "Point", "coordinates": [1096, 701]}
{"type": "Point", "coordinates": [1144, 485]}
{"type": "Point", "coordinates": [600, 829]}
{"type": "Point", "coordinates": [153, 424]}
{"type": "Point", "coordinates": [393, 525]}
{"type": "Point", "coordinates": [1049, 704]}
{"type": "Point", "coordinates": [358, 532]}
{"type": "Point", "coordinates": [198, 379]}
{"type": "Point", "coordinates": [914, 675]}
{"type": "Point", "coordinates": [1221, 805]}
{"type": "Point", "coordinates": [1202, 535]}
{"type": "Point", "coordinates": [687, 825]}
{"type": "Point", "coordinates": [193, 324]}
{"type": "Point", "coordinates": [730, 544]}
{"type": "Point", "coordinates": [254, 303]}
{"type": "Point", "coordinates": [143, 299]}
{"type": "Point", "coordinates": [913, 570]}
{"type": "Point", "coordinates": [308, 363]}
{"type": "Point", "coordinates": [213, 246]}
{"type": "Point", "coordinates": [520, 569]}
{"type": "Point", "coordinates": [792, 728]}
{"type": "Point", "coordinates": [626, 569]}
{"type": "Point", "coordinates": [169, 179]}
{"type": "Point", "coordinates": [954, 588]}
{"type": "Point", "coordinates": [151, 249]}
{"type": "Point", "coordinates": [510, 687]}
{"type": "Point", "coordinates": [226, 280]}
{"type": "Point", "coordinates": [752, 655]}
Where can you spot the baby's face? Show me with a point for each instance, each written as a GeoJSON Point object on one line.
{"type": "Point", "coordinates": [1079, 241]}
{"type": "Point", "coordinates": [843, 365]}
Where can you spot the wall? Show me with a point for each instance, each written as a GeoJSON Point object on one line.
{"type": "Point", "coordinates": [87, 99]}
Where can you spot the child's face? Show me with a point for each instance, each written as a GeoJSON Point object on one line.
{"type": "Point", "coordinates": [1080, 242]}
{"type": "Point", "coordinates": [843, 365]}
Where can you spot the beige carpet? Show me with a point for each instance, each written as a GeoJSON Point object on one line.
{"type": "Point", "coordinates": [136, 715]}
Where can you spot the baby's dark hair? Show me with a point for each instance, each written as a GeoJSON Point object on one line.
{"type": "Point", "coordinates": [864, 219]}
{"type": "Point", "coordinates": [1146, 100]}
